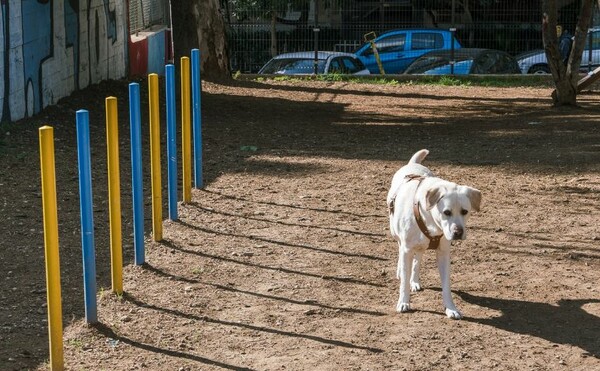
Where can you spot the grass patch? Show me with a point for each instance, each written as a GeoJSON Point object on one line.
{"type": "Point", "coordinates": [452, 81]}
{"type": "Point", "coordinates": [332, 77]}
{"type": "Point", "coordinates": [499, 81]}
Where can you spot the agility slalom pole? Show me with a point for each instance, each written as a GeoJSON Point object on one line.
{"type": "Point", "coordinates": [55, 331]}
{"type": "Point", "coordinates": [186, 151]}
{"type": "Point", "coordinates": [171, 140]}
{"type": "Point", "coordinates": [87, 217]}
{"type": "Point", "coordinates": [114, 195]}
{"type": "Point", "coordinates": [197, 118]}
{"type": "Point", "coordinates": [135, 123]}
{"type": "Point", "coordinates": [155, 173]}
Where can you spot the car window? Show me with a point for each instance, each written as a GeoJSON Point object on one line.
{"type": "Point", "coordinates": [485, 63]}
{"type": "Point", "coordinates": [336, 66]}
{"type": "Point", "coordinates": [293, 66]}
{"type": "Point", "coordinates": [509, 64]}
{"type": "Point", "coordinates": [595, 40]}
{"type": "Point", "coordinates": [427, 40]}
{"type": "Point", "coordinates": [392, 43]}
{"type": "Point", "coordinates": [494, 63]}
{"type": "Point", "coordinates": [426, 63]}
{"type": "Point", "coordinates": [358, 64]}
{"type": "Point", "coordinates": [351, 65]}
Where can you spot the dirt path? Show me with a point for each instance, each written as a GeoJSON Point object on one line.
{"type": "Point", "coordinates": [284, 260]}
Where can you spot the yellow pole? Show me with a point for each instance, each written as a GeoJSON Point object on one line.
{"type": "Point", "coordinates": [114, 195]}
{"type": "Point", "coordinates": [377, 59]}
{"type": "Point", "coordinates": [50, 215]}
{"type": "Point", "coordinates": [155, 157]}
{"type": "Point", "coordinates": [186, 146]}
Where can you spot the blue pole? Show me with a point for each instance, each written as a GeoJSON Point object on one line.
{"type": "Point", "coordinates": [197, 118]}
{"type": "Point", "coordinates": [135, 121]}
{"type": "Point", "coordinates": [87, 217]}
{"type": "Point", "coordinates": [171, 141]}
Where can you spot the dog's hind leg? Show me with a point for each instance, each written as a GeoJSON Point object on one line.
{"type": "Point", "coordinates": [399, 267]}
{"type": "Point", "coordinates": [405, 265]}
{"type": "Point", "coordinates": [415, 278]}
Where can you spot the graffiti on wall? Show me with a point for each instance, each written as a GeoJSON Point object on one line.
{"type": "Point", "coordinates": [50, 48]}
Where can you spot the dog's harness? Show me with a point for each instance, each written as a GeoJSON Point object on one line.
{"type": "Point", "coordinates": [434, 241]}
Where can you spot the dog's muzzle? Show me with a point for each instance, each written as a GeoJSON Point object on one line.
{"type": "Point", "coordinates": [457, 233]}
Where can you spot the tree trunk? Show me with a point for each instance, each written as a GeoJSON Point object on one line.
{"type": "Point", "coordinates": [199, 24]}
{"type": "Point", "coordinates": [273, 33]}
{"type": "Point", "coordinates": [565, 76]}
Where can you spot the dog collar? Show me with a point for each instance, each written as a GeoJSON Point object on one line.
{"type": "Point", "coordinates": [434, 241]}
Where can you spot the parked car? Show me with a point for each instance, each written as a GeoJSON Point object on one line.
{"type": "Point", "coordinates": [467, 61]}
{"type": "Point", "coordinates": [535, 62]}
{"type": "Point", "coordinates": [398, 48]}
{"type": "Point", "coordinates": [303, 63]}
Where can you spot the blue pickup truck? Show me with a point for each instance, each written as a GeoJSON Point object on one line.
{"type": "Point", "coordinates": [398, 48]}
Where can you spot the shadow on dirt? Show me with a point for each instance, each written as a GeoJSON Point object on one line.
{"type": "Point", "coordinates": [565, 323]}
{"type": "Point", "coordinates": [525, 134]}
{"type": "Point", "coordinates": [332, 211]}
{"type": "Point", "coordinates": [173, 246]}
{"type": "Point", "coordinates": [248, 326]}
{"type": "Point", "coordinates": [109, 333]}
{"type": "Point", "coordinates": [280, 243]}
{"type": "Point", "coordinates": [288, 224]}
{"type": "Point", "coordinates": [230, 288]}
{"type": "Point", "coordinates": [338, 91]}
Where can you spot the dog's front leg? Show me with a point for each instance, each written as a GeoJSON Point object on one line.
{"type": "Point", "coordinates": [415, 277]}
{"type": "Point", "coordinates": [405, 263]}
{"type": "Point", "coordinates": [443, 261]}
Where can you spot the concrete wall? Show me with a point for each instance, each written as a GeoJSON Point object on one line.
{"type": "Point", "coordinates": [50, 48]}
{"type": "Point", "coordinates": [149, 51]}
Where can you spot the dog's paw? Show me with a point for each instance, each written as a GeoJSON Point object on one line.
{"type": "Point", "coordinates": [415, 286]}
{"type": "Point", "coordinates": [453, 314]}
{"type": "Point", "coordinates": [403, 307]}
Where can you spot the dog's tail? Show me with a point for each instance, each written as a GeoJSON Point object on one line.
{"type": "Point", "coordinates": [418, 157]}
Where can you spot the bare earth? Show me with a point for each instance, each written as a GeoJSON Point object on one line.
{"type": "Point", "coordinates": [284, 260]}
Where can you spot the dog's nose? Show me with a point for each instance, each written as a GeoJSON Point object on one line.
{"type": "Point", "coordinates": [457, 233]}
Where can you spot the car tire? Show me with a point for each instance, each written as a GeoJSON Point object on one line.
{"type": "Point", "coordinates": [539, 69]}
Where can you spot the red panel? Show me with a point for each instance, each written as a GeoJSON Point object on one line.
{"type": "Point", "coordinates": [168, 46]}
{"type": "Point", "coordinates": [138, 58]}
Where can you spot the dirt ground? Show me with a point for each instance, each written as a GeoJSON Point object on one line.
{"type": "Point", "coordinates": [284, 260]}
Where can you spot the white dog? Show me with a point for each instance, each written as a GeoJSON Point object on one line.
{"type": "Point", "coordinates": [427, 212]}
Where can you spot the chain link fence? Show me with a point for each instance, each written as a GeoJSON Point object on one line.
{"type": "Point", "coordinates": [143, 14]}
{"type": "Point", "coordinates": [260, 29]}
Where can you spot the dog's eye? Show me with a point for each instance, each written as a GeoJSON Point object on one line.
{"type": "Point", "coordinates": [447, 212]}
{"type": "Point", "coordinates": [464, 212]}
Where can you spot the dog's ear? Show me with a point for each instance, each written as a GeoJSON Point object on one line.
{"type": "Point", "coordinates": [474, 196]}
{"type": "Point", "coordinates": [432, 197]}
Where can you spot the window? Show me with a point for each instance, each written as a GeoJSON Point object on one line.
{"type": "Point", "coordinates": [351, 65]}
{"type": "Point", "coordinates": [429, 40]}
{"type": "Point", "coordinates": [335, 66]}
{"type": "Point", "coordinates": [595, 41]}
{"type": "Point", "coordinates": [393, 43]}
{"type": "Point", "coordinates": [293, 66]}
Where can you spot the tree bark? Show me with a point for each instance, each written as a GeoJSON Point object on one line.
{"type": "Point", "coordinates": [273, 33]}
{"type": "Point", "coordinates": [200, 24]}
{"type": "Point", "coordinates": [565, 76]}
